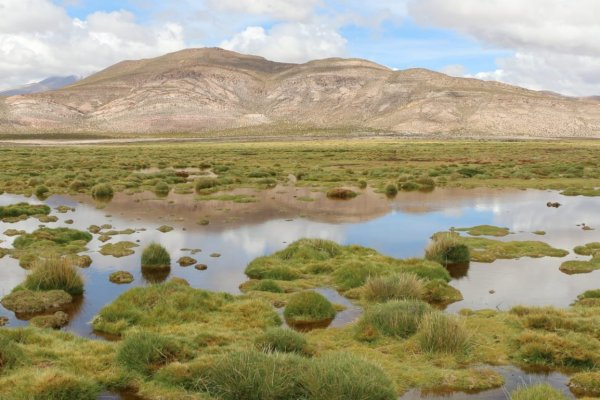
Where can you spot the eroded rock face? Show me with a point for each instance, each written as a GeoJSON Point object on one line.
{"type": "Point", "coordinates": [209, 89]}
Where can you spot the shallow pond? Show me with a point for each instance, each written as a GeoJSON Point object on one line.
{"type": "Point", "coordinates": [400, 227]}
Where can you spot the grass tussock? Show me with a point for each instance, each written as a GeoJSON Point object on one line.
{"type": "Point", "coordinates": [442, 333]}
{"type": "Point", "coordinates": [400, 319]}
{"type": "Point", "coordinates": [282, 340]}
{"type": "Point", "coordinates": [341, 194]}
{"type": "Point", "coordinates": [102, 191]}
{"type": "Point", "coordinates": [156, 256]}
{"type": "Point", "coordinates": [537, 392]}
{"type": "Point", "coordinates": [34, 302]}
{"type": "Point", "coordinates": [585, 384]}
{"type": "Point", "coordinates": [308, 307]}
{"type": "Point", "coordinates": [146, 352]}
{"type": "Point", "coordinates": [11, 355]}
{"type": "Point", "coordinates": [55, 274]}
{"type": "Point", "coordinates": [447, 249]}
{"type": "Point", "coordinates": [401, 286]}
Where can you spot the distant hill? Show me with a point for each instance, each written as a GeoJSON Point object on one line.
{"type": "Point", "coordinates": [52, 83]}
{"type": "Point", "coordinates": [199, 90]}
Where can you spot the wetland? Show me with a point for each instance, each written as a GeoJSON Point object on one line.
{"type": "Point", "coordinates": [473, 277]}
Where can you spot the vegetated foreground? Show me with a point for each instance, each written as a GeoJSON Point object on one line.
{"type": "Point", "coordinates": [177, 342]}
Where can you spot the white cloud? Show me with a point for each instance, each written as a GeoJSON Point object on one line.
{"type": "Point", "coordinates": [38, 39]}
{"type": "Point", "coordinates": [289, 42]}
{"type": "Point", "coordinates": [554, 41]}
{"type": "Point", "coordinates": [288, 10]}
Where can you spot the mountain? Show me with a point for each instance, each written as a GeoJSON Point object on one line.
{"type": "Point", "coordinates": [52, 83]}
{"type": "Point", "coordinates": [212, 89]}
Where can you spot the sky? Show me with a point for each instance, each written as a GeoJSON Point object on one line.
{"type": "Point", "coordinates": [538, 44]}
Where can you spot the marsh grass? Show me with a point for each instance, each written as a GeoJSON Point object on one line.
{"type": "Point", "coordinates": [145, 352]}
{"type": "Point", "coordinates": [398, 318]}
{"type": "Point", "coordinates": [446, 249]}
{"type": "Point", "coordinates": [442, 333]}
{"type": "Point", "coordinates": [57, 385]}
{"type": "Point", "coordinates": [205, 183]}
{"type": "Point", "coordinates": [102, 191]}
{"type": "Point", "coordinates": [282, 340]}
{"type": "Point", "coordinates": [585, 384]}
{"type": "Point", "coordinates": [266, 285]}
{"type": "Point", "coordinates": [55, 274]}
{"type": "Point", "coordinates": [308, 307]}
{"type": "Point", "coordinates": [399, 286]}
{"type": "Point", "coordinates": [11, 355]}
{"type": "Point", "coordinates": [23, 210]}
{"type": "Point", "coordinates": [343, 376]}
{"type": "Point", "coordinates": [156, 256]}
{"type": "Point", "coordinates": [541, 391]}
{"type": "Point", "coordinates": [341, 193]}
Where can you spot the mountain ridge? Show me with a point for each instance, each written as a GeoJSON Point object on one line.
{"type": "Point", "coordinates": [209, 89]}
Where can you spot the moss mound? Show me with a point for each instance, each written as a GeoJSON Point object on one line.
{"type": "Point", "coordinates": [121, 277]}
{"type": "Point", "coordinates": [33, 302]}
{"type": "Point", "coordinates": [308, 307]}
{"type": "Point", "coordinates": [51, 242]}
{"type": "Point", "coordinates": [22, 211]}
{"type": "Point", "coordinates": [186, 261]}
{"type": "Point", "coordinates": [585, 384]}
{"type": "Point", "coordinates": [117, 250]}
{"type": "Point", "coordinates": [485, 230]}
{"type": "Point", "coordinates": [53, 321]}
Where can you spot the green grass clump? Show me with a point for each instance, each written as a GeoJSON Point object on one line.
{"type": "Point", "coordinates": [590, 249]}
{"type": "Point", "coordinates": [583, 267]}
{"type": "Point", "coordinates": [399, 286]}
{"type": "Point", "coordinates": [398, 318]}
{"type": "Point", "coordinates": [55, 274]}
{"type": "Point", "coordinates": [341, 193]}
{"type": "Point", "coordinates": [441, 333]}
{"type": "Point", "coordinates": [585, 384]}
{"type": "Point", "coordinates": [282, 340]}
{"type": "Point", "coordinates": [58, 385]}
{"type": "Point", "coordinates": [485, 230]}
{"type": "Point", "coordinates": [23, 210]}
{"type": "Point", "coordinates": [266, 285]}
{"type": "Point", "coordinates": [205, 183]}
{"type": "Point", "coordinates": [447, 249]}
{"type": "Point", "coordinates": [162, 188]}
{"type": "Point", "coordinates": [253, 375]}
{"type": "Point", "coordinates": [310, 249]}
{"type": "Point", "coordinates": [488, 250]}
{"type": "Point", "coordinates": [145, 352]}
{"type": "Point", "coordinates": [156, 256]}
{"type": "Point", "coordinates": [11, 355]}
{"type": "Point", "coordinates": [571, 350]}
{"type": "Point", "coordinates": [344, 376]}
{"type": "Point", "coordinates": [41, 192]}
{"type": "Point", "coordinates": [171, 304]}
{"type": "Point", "coordinates": [102, 191]}
{"type": "Point", "coordinates": [537, 392]}
{"type": "Point", "coordinates": [308, 307]}
{"type": "Point", "coordinates": [391, 190]}
{"type": "Point", "coordinates": [58, 236]}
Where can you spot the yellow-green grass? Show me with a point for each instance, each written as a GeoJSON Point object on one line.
{"type": "Point", "coordinates": [55, 274]}
{"type": "Point", "coordinates": [327, 164]}
{"type": "Point", "coordinates": [485, 230]}
{"type": "Point", "coordinates": [541, 391]}
{"type": "Point", "coordinates": [308, 307]}
{"type": "Point", "coordinates": [120, 249]}
{"type": "Point", "coordinates": [156, 256]}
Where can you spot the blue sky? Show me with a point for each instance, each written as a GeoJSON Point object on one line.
{"type": "Point", "coordinates": [537, 44]}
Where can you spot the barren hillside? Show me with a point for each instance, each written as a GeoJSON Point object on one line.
{"type": "Point", "coordinates": [211, 89]}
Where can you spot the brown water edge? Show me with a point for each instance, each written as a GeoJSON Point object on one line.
{"type": "Point", "coordinates": [514, 378]}
{"type": "Point", "coordinates": [281, 202]}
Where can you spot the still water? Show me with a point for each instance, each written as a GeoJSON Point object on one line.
{"type": "Point", "coordinates": [399, 227]}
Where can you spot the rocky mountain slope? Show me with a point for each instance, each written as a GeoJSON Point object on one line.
{"type": "Point", "coordinates": [52, 83]}
{"type": "Point", "coordinates": [212, 89]}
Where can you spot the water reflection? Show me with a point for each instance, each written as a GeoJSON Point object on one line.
{"type": "Point", "coordinates": [400, 228]}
